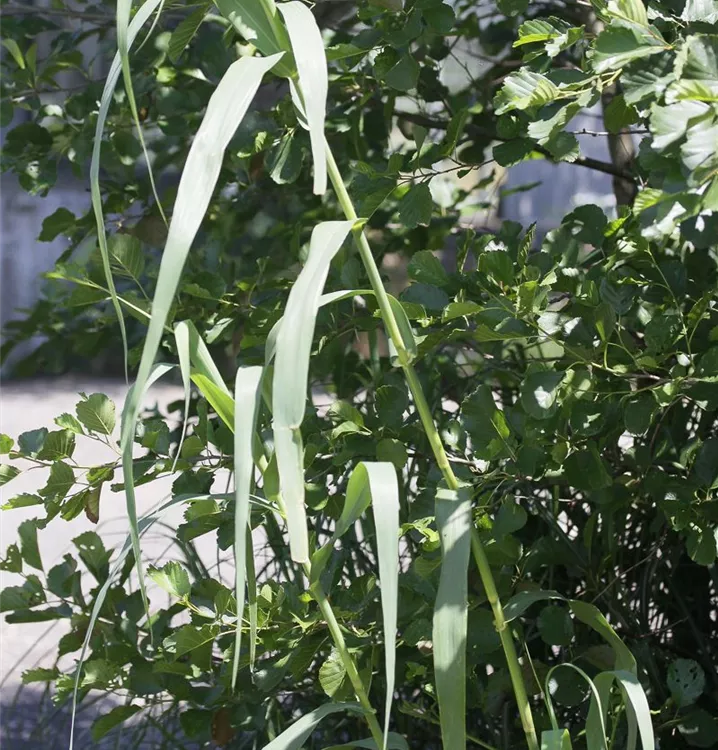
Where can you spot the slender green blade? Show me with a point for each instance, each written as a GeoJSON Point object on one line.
{"type": "Point", "coordinates": [141, 17]}
{"type": "Point", "coordinates": [204, 372]}
{"type": "Point", "coordinates": [289, 449]}
{"type": "Point", "coordinates": [291, 376]}
{"type": "Point", "coordinates": [586, 613]}
{"type": "Point", "coordinates": [294, 737]}
{"type": "Point", "coordinates": [375, 484]}
{"type": "Point", "coordinates": [394, 742]}
{"type": "Point", "coordinates": [326, 299]}
{"type": "Point", "coordinates": [308, 49]}
{"type": "Point", "coordinates": [251, 599]}
{"type": "Point", "coordinates": [591, 616]}
{"type": "Point", "coordinates": [217, 397]}
{"type": "Point", "coordinates": [384, 489]}
{"type": "Point", "coordinates": [596, 728]}
{"type": "Point", "coordinates": [555, 739]}
{"type": "Point", "coordinates": [453, 518]}
{"type": "Point", "coordinates": [225, 111]}
{"type": "Point", "coordinates": [638, 714]}
{"type": "Point", "coordinates": [182, 341]}
{"type": "Point", "coordinates": [247, 400]}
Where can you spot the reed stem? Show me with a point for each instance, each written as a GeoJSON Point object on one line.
{"type": "Point", "coordinates": [437, 447]}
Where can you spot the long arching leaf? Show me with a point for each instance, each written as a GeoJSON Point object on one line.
{"type": "Point", "coordinates": [308, 49]}
{"type": "Point", "coordinates": [291, 376]}
{"type": "Point", "coordinates": [225, 111]}
{"type": "Point", "coordinates": [384, 489]}
{"type": "Point", "coordinates": [374, 483]}
{"type": "Point", "coordinates": [453, 518]}
{"type": "Point", "coordinates": [246, 400]}
{"type": "Point", "coordinates": [113, 76]}
{"type": "Point", "coordinates": [294, 737]}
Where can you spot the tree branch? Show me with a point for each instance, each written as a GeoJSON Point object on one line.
{"type": "Point", "coordinates": [583, 161]}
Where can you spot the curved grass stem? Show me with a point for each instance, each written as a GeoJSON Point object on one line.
{"type": "Point", "coordinates": [437, 447]}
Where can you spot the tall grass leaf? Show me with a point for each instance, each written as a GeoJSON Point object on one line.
{"type": "Point", "coordinates": [453, 518]}
{"type": "Point", "coordinates": [555, 739]}
{"type": "Point", "coordinates": [289, 449]}
{"type": "Point", "coordinates": [258, 23]}
{"type": "Point", "coordinates": [141, 17]}
{"type": "Point", "coordinates": [385, 504]}
{"type": "Point", "coordinates": [394, 742]}
{"type": "Point", "coordinates": [638, 714]}
{"type": "Point", "coordinates": [246, 400]}
{"type": "Point", "coordinates": [308, 49]}
{"type": "Point", "coordinates": [225, 111]}
{"type": "Point", "coordinates": [124, 9]}
{"type": "Point", "coordinates": [291, 375]}
{"type": "Point", "coordinates": [251, 598]}
{"type": "Point", "coordinates": [206, 375]}
{"type": "Point", "coordinates": [586, 613]}
{"type": "Point", "coordinates": [218, 399]}
{"type": "Point", "coordinates": [127, 438]}
{"type": "Point", "coordinates": [591, 616]}
{"type": "Point", "coordinates": [182, 341]}
{"type": "Point", "coordinates": [402, 320]}
{"type": "Point", "coordinates": [374, 483]}
{"type": "Point", "coordinates": [296, 735]}
{"type": "Point", "coordinates": [596, 729]}
{"type": "Point", "coordinates": [155, 21]}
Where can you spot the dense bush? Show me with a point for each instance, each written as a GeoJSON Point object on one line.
{"type": "Point", "coordinates": [545, 405]}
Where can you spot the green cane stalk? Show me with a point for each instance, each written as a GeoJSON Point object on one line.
{"type": "Point", "coordinates": [437, 448]}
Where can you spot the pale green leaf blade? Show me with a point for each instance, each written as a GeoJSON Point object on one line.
{"type": "Point", "coordinates": [218, 399]}
{"type": "Point", "coordinates": [453, 518]}
{"type": "Point", "coordinates": [308, 49]}
{"type": "Point", "coordinates": [384, 490]}
{"type": "Point", "coordinates": [182, 342]}
{"type": "Point", "coordinates": [703, 11]}
{"type": "Point", "coordinates": [225, 111]}
{"type": "Point", "coordinates": [247, 400]}
{"type": "Point", "coordinates": [289, 450]}
{"type": "Point", "coordinates": [394, 742]}
{"type": "Point", "coordinates": [143, 13]}
{"type": "Point", "coordinates": [592, 616]}
{"type": "Point", "coordinates": [134, 400]}
{"type": "Point", "coordinates": [555, 739]}
{"type": "Point", "coordinates": [291, 375]}
{"type": "Point", "coordinates": [251, 599]}
{"type": "Point", "coordinates": [595, 726]}
{"type": "Point", "coordinates": [637, 709]}
{"type": "Point", "coordinates": [294, 737]}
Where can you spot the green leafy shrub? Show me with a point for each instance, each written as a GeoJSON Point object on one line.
{"type": "Point", "coordinates": [520, 450]}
